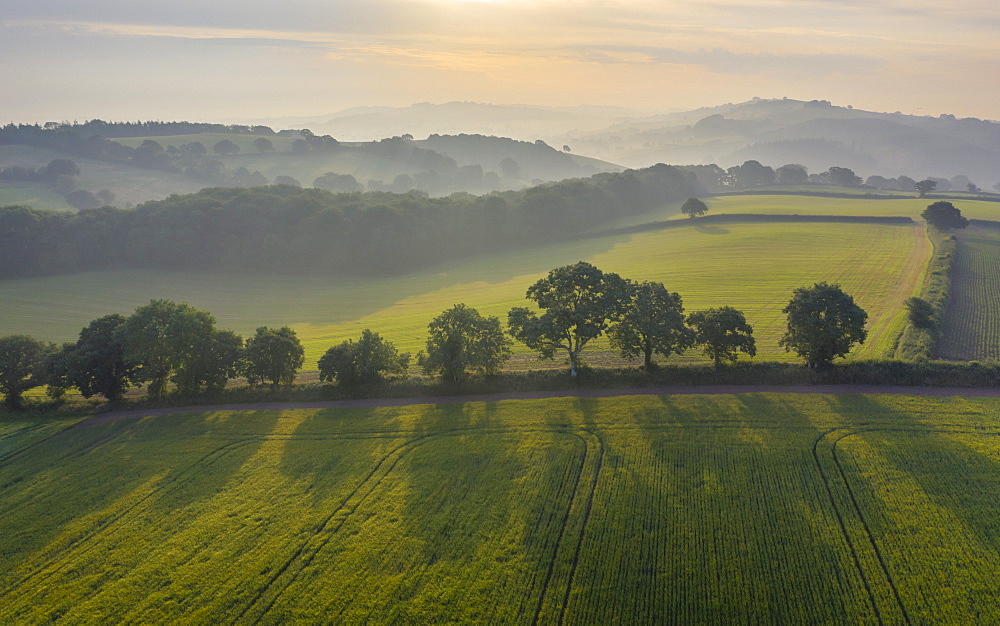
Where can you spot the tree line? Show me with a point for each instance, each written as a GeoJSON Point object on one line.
{"type": "Point", "coordinates": [165, 342]}
{"type": "Point", "coordinates": [287, 229]}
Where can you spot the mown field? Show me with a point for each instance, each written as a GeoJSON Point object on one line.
{"type": "Point", "coordinates": [762, 508]}
{"type": "Point", "coordinates": [753, 267]}
{"type": "Point", "coordinates": [971, 329]}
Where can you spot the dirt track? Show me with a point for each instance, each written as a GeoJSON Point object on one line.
{"type": "Point", "coordinates": [115, 416]}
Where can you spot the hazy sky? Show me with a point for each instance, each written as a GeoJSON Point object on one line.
{"type": "Point", "coordinates": [222, 60]}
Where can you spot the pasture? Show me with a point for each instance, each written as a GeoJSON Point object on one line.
{"type": "Point", "coordinates": [769, 508]}
{"type": "Point", "coordinates": [753, 267]}
{"type": "Point", "coordinates": [971, 329]}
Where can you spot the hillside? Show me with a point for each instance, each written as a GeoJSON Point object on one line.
{"type": "Point", "coordinates": [816, 134]}
{"type": "Point", "coordinates": [140, 167]}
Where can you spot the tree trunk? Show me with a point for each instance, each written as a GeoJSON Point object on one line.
{"type": "Point", "coordinates": [649, 359]}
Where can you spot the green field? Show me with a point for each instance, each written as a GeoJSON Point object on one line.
{"type": "Point", "coordinates": [811, 205]}
{"type": "Point", "coordinates": [131, 185]}
{"type": "Point", "coordinates": [751, 508]}
{"type": "Point", "coordinates": [971, 329]}
{"type": "Point", "coordinates": [753, 267]}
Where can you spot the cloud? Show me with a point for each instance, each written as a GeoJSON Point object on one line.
{"type": "Point", "coordinates": [723, 61]}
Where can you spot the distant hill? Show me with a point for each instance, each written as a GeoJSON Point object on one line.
{"type": "Point", "coordinates": [536, 160]}
{"type": "Point", "coordinates": [134, 167]}
{"type": "Point", "coordinates": [522, 122]}
{"type": "Point", "coordinates": [816, 134]}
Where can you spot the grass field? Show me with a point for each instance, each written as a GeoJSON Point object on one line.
{"type": "Point", "coordinates": [753, 267]}
{"type": "Point", "coordinates": [761, 508]}
{"type": "Point", "coordinates": [810, 205]}
{"type": "Point", "coordinates": [971, 329]}
{"type": "Point", "coordinates": [131, 185]}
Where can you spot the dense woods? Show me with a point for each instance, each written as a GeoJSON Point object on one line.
{"type": "Point", "coordinates": [284, 228]}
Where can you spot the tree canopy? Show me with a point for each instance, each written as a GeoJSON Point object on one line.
{"type": "Point", "coordinates": [578, 303]}
{"type": "Point", "coordinates": [96, 363]}
{"type": "Point", "coordinates": [364, 361]}
{"type": "Point", "coordinates": [460, 339]}
{"type": "Point", "coordinates": [22, 361]}
{"type": "Point", "coordinates": [693, 207]}
{"type": "Point", "coordinates": [166, 338]}
{"type": "Point", "coordinates": [925, 186]}
{"type": "Point", "coordinates": [823, 323]}
{"type": "Point", "coordinates": [653, 323]}
{"type": "Point", "coordinates": [273, 355]}
{"type": "Point", "coordinates": [944, 216]}
{"type": "Point", "coordinates": [723, 332]}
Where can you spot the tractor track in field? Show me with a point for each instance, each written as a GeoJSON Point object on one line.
{"type": "Point", "coordinates": [864, 522]}
{"type": "Point", "coordinates": [583, 525]}
{"type": "Point", "coordinates": [325, 531]}
{"type": "Point", "coordinates": [970, 392]}
{"type": "Point", "coordinates": [843, 526]}
{"type": "Point", "coordinates": [562, 531]}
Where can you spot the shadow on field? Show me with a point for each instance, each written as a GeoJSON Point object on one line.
{"type": "Point", "coordinates": [89, 488]}
{"type": "Point", "coordinates": [950, 472]}
{"type": "Point", "coordinates": [707, 507]}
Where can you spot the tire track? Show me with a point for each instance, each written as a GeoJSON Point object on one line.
{"type": "Point", "coordinates": [583, 525]}
{"type": "Point", "coordinates": [83, 545]}
{"type": "Point", "coordinates": [843, 526]}
{"type": "Point", "coordinates": [864, 523]}
{"type": "Point", "coordinates": [306, 553]}
{"type": "Point", "coordinates": [562, 529]}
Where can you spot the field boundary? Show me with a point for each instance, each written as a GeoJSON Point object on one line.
{"type": "Point", "coordinates": [749, 218]}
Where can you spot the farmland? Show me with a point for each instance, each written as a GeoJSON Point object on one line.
{"type": "Point", "coordinates": [971, 329]}
{"type": "Point", "coordinates": [815, 205]}
{"type": "Point", "coordinates": [764, 507]}
{"type": "Point", "coordinates": [131, 185]}
{"type": "Point", "coordinates": [753, 267]}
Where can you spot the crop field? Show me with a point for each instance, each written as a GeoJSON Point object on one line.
{"type": "Point", "coordinates": [753, 267]}
{"type": "Point", "coordinates": [764, 508]}
{"type": "Point", "coordinates": [971, 329]}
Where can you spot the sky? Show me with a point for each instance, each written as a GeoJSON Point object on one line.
{"type": "Point", "coordinates": [222, 60]}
